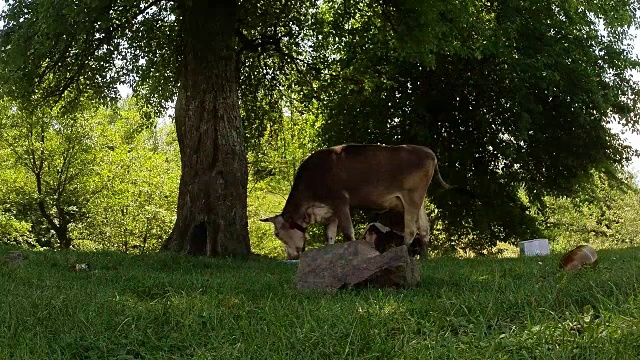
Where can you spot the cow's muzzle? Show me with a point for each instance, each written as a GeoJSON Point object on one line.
{"type": "Point", "coordinates": [297, 254]}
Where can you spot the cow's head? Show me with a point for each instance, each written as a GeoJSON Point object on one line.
{"type": "Point", "coordinates": [292, 235]}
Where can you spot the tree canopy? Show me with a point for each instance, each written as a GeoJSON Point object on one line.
{"type": "Point", "coordinates": [51, 50]}
{"type": "Point", "coordinates": [514, 97]}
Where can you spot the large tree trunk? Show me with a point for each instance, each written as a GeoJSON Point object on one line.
{"type": "Point", "coordinates": [212, 199]}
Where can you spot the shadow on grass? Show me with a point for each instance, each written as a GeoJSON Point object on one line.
{"type": "Point", "coordinates": [168, 305]}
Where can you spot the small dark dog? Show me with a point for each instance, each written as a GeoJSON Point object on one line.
{"type": "Point", "coordinates": [384, 238]}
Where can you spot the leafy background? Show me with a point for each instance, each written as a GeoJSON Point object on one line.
{"type": "Point", "coordinates": [517, 99]}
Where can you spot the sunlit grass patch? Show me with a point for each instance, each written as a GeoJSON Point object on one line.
{"type": "Point", "coordinates": [162, 306]}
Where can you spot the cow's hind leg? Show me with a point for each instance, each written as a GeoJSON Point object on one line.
{"type": "Point", "coordinates": [344, 223]}
{"type": "Point", "coordinates": [423, 233]}
{"type": "Point", "coordinates": [410, 224]}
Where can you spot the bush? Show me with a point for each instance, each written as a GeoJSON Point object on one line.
{"type": "Point", "coordinates": [603, 214]}
{"type": "Point", "coordinates": [15, 232]}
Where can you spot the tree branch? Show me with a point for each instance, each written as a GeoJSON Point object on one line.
{"type": "Point", "coordinates": [257, 45]}
{"type": "Point", "coordinates": [83, 58]}
{"type": "Point", "coordinates": [387, 16]}
{"type": "Point", "coordinates": [270, 44]}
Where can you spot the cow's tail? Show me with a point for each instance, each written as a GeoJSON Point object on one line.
{"type": "Point", "coordinates": [445, 186]}
{"type": "Point", "coordinates": [440, 180]}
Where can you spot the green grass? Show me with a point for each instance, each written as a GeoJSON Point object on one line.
{"type": "Point", "coordinates": [163, 306]}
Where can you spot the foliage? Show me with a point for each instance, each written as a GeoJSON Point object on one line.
{"type": "Point", "coordinates": [277, 47]}
{"type": "Point", "coordinates": [602, 214]}
{"type": "Point", "coordinates": [56, 152]}
{"type": "Point", "coordinates": [162, 306]}
{"type": "Point", "coordinates": [273, 163]}
{"type": "Point", "coordinates": [104, 176]}
{"type": "Point", "coordinates": [67, 54]}
{"type": "Point", "coordinates": [51, 51]}
{"type": "Point", "coordinates": [508, 94]}
{"type": "Point", "coordinates": [12, 230]}
{"type": "Point", "coordinates": [139, 172]}
{"type": "Point", "coordinates": [15, 232]}
{"type": "Point", "coordinates": [512, 96]}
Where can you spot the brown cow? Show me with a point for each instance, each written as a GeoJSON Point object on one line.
{"type": "Point", "coordinates": [376, 177]}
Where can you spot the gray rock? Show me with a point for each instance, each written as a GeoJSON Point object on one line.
{"type": "Point", "coordinates": [355, 264]}
{"type": "Point", "coordinates": [14, 257]}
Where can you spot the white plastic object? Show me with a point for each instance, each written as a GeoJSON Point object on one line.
{"type": "Point", "coordinates": [535, 247]}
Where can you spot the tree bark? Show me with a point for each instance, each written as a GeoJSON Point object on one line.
{"type": "Point", "coordinates": [212, 199]}
{"type": "Point", "coordinates": [61, 229]}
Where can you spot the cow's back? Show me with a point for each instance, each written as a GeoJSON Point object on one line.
{"type": "Point", "coordinates": [364, 172]}
{"type": "Point", "coordinates": [382, 162]}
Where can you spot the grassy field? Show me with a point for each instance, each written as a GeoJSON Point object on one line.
{"type": "Point", "coordinates": [162, 306]}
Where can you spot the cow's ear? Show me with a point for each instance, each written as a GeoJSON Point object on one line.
{"type": "Point", "coordinates": [307, 216]}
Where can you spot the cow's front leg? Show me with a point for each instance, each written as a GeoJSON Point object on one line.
{"type": "Point", "coordinates": [344, 223]}
{"type": "Point", "coordinates": [331, 230]}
